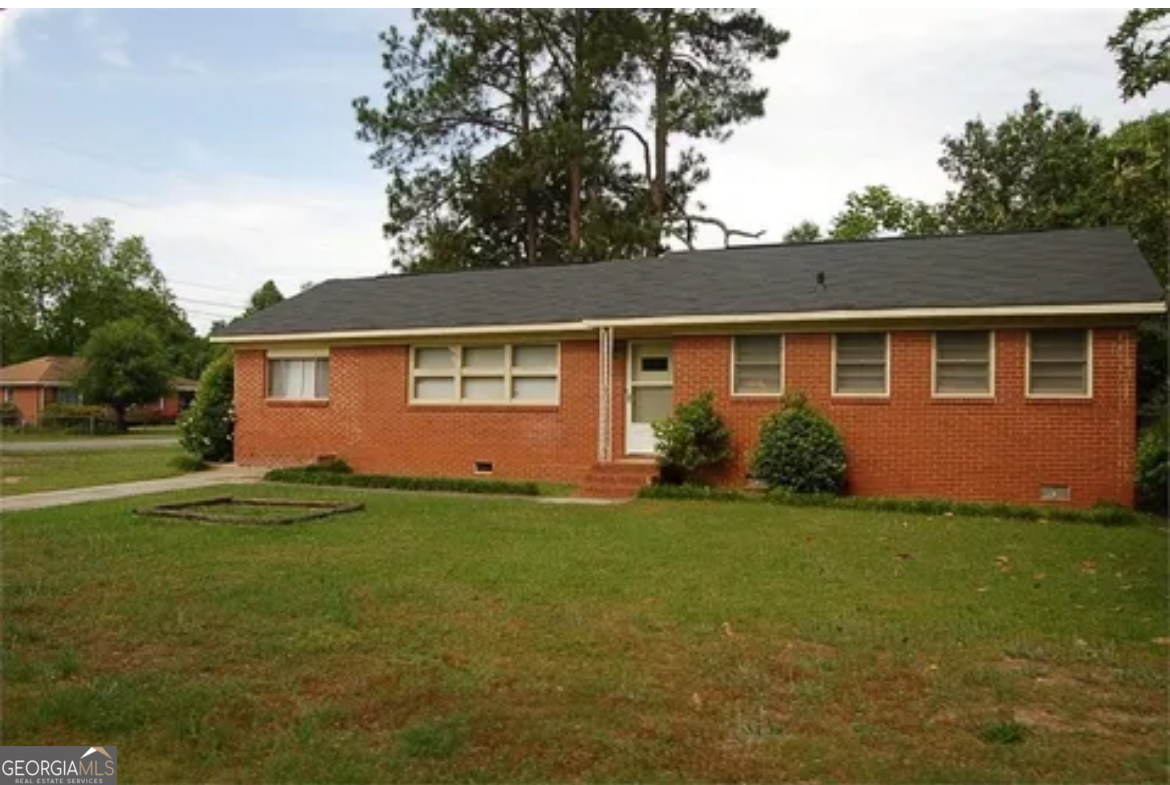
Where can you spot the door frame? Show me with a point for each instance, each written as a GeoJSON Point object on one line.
{"type": "Point", "coordinates": [630, 384]}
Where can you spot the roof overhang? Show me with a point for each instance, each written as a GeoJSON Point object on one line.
{"type": "Point", "coordinates": [1127, 310]}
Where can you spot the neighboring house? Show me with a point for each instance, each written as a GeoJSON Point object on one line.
{"type": "Point", "coordinates": [36, 384]}
{"type": "Point", "coordinates": [995, 367]}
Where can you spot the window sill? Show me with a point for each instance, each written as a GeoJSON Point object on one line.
{"type": "Point", "coordinates": [311, 403]}
{"type": "Point", "coordinates": [964, 400]}
{"type": "Point", "coordinates": [418, 406]}
{"type": "Point", "coordinates": [859, 400]}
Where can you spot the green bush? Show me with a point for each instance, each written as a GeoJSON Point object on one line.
{"type": "Point", "coordinates": [1102, 514]}
{"type": "Point", "coordinates": [189, 463]}
{"type": "Point", "coordinates": [305, 475]}
{"type": "Point", "coordinates": [691, 439]}
{"type": "Point", "coordinates": [1153, 468]}
{"type": "Point", "coordinates": [206, 429]}
{"type": "Point", "coordinates": [140, 416]}
{"type": "Point", "coordinates": [328, 466]}
{"type": "Point", "coordinates": [9, 413]}
{"type": "Point", "coordinates": [77, 418]}
{"type": "Point", "coordinates": [800, 450]}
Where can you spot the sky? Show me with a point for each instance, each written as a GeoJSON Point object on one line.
{"type": "Point", "coordinates": [226, 138]}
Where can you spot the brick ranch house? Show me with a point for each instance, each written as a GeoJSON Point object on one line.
{"type": "Point", "coordinates": [36, 384]}
{"type": "Point", "coordinates": [980, 367]}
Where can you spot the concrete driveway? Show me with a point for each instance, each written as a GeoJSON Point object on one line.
{"type": "Point", "coordinates": [88, 445]}
{"type": "Point", "coordinates": [230, 474]}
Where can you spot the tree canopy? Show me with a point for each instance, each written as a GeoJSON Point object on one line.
{"type": "Point", "coordinates": [125, 364]}
{"type": "Point", "coordinates": [266, 296]}
{"type": "Point", "coordinates": [1141, 49]}
{"type": "Point", "coordinates": [503, 132]}
{"type": "Point", "coordinates": [59, 282]}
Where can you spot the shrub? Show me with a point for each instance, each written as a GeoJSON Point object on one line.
{"type": "Point", "coordinates": [9, 413]}
{"type": "Point", "coordinates": [140, 416]}
{"type": "Point", "coordinates": [800, 450]}
{"type": "Point", "coordinates": [189, 463]}
{"type": "Point", "coordinates": [206, 429]}
{"type": "Point", "coordinates": [691, 439]}
{"type": "Point", "coordinates": [1153, 468]}
{"type": "Point", "coordinates": [1102, 514]}
{"type": "Point", "coordinates": [77, 418]}
{"type": "Point", "coordinates": [328, 466]}
{"type": "Point", "coordinates": [306, 475]}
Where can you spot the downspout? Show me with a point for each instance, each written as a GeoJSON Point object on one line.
{"type": "Point", "coordinates": [604, 394]}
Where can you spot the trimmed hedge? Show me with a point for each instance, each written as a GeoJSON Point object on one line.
{"type": "Point", "coordinates": [9, 413]}
{"type": "Point", "coordinates": [800, 450]}
{"type": "Point", "coordinates": [1103, 514]}
{"type": "Point", "coordinates": [77, 418]}
{"type": "Point", "coordinates": [305, 475]}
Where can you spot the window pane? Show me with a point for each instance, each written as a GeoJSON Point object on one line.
{"type": "Point", "coordinates": [534, 358]}
{"type": "Point", "coordinates": [1059, 344]}
{"type": "Point", "coordinates": [757, 379]}
{"type": "Point", "coordinates": [757, 349]}
{"type": "Point", "coordinates": [534, 389]}
{"type": "Point", "coordinates": [434, 358]}
{"type": "Point", "coordinates": [967, 345]}
{"type": "Point", "coordinates": [277, 379]}
{"type": "Point", "coordinates": [962, 378]}
{"type": "Point", "coordinates": [434, 388]}
{"type": "Point", "coordinates": [483, 358]}
{"type": "Point", "coordinates": [864, 379]}
{"type": "Point", "coordinates": [652, 403]}
{"type": "Point", "coordinates": [861, 347]}
{"type": "Point", "coordinates": [1059, 378]}
{"type": "Point", "coordinates": [321, 386]}
{"type": "Point", "coordinates": [483, 388]}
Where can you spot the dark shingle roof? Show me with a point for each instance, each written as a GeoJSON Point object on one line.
{"type": "Point", "coordinates": [1060, 267]}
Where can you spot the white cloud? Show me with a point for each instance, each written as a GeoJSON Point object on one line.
{"type": "Point", "coordinates": [234, 233]}
{"type": "Point", "coordinates": [11, 19]}
{"type": "Point", "coordinates": [108, 43]}
{"type": "Point", "coordinates": [181, 62]}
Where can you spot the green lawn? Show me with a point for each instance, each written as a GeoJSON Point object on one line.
{"type": "Point", "coordinates": [37, 435]}
{"type": "Point", "coordinates": [34, 472]}
{"type": "Point", "coordinates": [437, 638]}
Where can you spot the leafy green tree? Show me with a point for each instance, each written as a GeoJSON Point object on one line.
{"type": "Point", "coordinates": [266, 296]}
{"type": "Point", "coordinates": [1141, 48]}
{"type": "Point", "coordinates": [125, 364]}
{"type": "Point", "coordinates": [804, 232]}
{"type": "Point", "coordinates": [207, 428]}
{"type": "Point", "coordinates": [60, 281]}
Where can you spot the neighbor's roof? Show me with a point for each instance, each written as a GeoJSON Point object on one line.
{"type": "Point", "coordinates": [48, 370]}
{"type": "Point", "coordinates": [1051, 268]}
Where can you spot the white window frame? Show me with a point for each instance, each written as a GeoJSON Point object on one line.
{"type": "Point", "coordinates": [934, 366]}
{"type": "Point", "coordinates": [1088, 394]}
{"type": "Point", "coordinates": [457, 373]}
{"type": "Point", "coordinates": [833, 370]}
{"type": "Point", "coordinates": [295, 354]}
{"type": "Point", "coordinates": [783, 362]}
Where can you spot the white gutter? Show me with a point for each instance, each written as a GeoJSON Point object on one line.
{"type": "Point", "coordinates": [1013, 311]}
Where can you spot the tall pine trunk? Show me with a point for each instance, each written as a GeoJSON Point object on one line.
{"type": "Point", "coordinates": [662, 89]}
{"type": "Point", "coordinates": [577, 100]}
{"type": "Point", "coordinates": [522, 98]}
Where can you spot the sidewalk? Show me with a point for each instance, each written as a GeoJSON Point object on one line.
{"type": "Point", "coordinates": [230, 474]}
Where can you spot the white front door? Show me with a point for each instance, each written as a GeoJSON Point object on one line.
{"type": "Point", "coordinates": [649, 393]}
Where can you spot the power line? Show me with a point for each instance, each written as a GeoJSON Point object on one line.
{"type": "Point", "coordinates": [212, 302]}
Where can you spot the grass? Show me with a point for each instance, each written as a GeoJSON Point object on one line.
{"type": "Point", "coordinates": [439, 639]}
{"type": "Point", "coordinates": [51, 471]}
{"type": "Point", "coordinates": [38, 435]}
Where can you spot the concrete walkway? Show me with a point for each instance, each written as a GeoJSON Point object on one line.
{"type": "Point", "coordinates": [10, 447]}
{"type": "Point", "coordinates": [230, 474]}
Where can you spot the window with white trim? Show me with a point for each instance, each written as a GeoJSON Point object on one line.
{"type": "Point", "coordinates": [485, 373]}
{"type": "Point", "coordinates": [757, 365]}
{"type": "Point", "coordinates": [298, 378]}
{"type": "Point", "coordinates": [1058, 363]}
{"type": "Point", "coordinates": [860, 363]}
{"type": "Point", "coordinates": [962, 362]}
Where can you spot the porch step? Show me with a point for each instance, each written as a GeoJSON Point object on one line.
{"type": "Point", "coordinates": [620, 480]}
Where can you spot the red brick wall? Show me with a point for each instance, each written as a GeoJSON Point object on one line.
{"type": "Point", "coordinates": [369, 422]}
{"type": "Point", "coordinates": [28, 400]}
{"type": "Point", "coordinates": [909, 444]}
